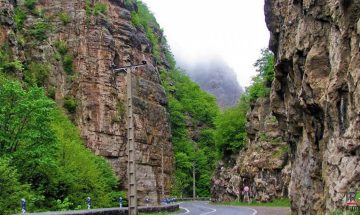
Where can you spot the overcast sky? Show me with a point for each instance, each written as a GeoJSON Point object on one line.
{"type": "Point", "coordinates": [234, 30]}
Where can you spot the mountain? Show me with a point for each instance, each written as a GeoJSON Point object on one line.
{"type": "Point", "coordinates": [217, 78]}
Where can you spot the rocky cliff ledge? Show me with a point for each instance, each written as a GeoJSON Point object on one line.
{"type": "Point", "coordinates": [78, 41]}
{"type": "Point", "coordinates": [263, 165]}
{"type": "Point", "coordinates": [315, 97]}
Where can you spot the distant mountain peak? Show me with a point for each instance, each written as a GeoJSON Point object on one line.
{"type": "Point", "coordinates": [217, 78]}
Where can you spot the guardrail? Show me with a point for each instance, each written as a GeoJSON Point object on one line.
{"type": "Point", "coordinates": [112, 211]}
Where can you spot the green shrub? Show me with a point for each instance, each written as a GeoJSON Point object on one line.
{"type": "Point", "coordinates": [11, 189]}
{"type": "Point", "coordinates": [64, 18]}
{"type": "Point", "coordinates": [147, 20]}
{"type": "Point", "coordinates": [19, 18]}
{"type": "Point", "coordinates": [120, 108]}
{"type": "Point", "coordinates": [37, 73]}
{"type": "Point", "coordinates": [30, 4]}
{"type": "Point", "coordinates": [70, 104]}
{"type": "Point", "coordinates": [99, 8]}
{"type": "Point", "coordinates": [135, 19]}
{"type": "Point", "coordinates": [68, 64]}
{"type": "Point", "coordinates": [39, 12]}
{"type": "Point", "coordinates": [61, 47]}
{"type": "Point", "coordinates": [88, 9]}
{"type": "Point", "coordinates": [51, 92]}
{"type": "Point", "coordinates": [12, 66]}
{"type": "Point", "coordinates": [40, 29]}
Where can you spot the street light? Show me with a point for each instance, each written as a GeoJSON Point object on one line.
{"type": "Point", "coordinates": [132, 192]}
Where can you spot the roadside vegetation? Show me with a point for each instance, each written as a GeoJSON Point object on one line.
{"type": "Point", "coordinates": [42, 157]}
{"type": "Point", "coordinates": [273, 203]}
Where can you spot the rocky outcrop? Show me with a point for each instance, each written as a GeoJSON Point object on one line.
{"type": "Point", "coordinates": [217, 78]}
{"type": "Point", "coordinates": [94, 41]}
{"type": "Point", "coordinates": [263, 165]}
{"type": "Point", "coordinates": [315, 97]}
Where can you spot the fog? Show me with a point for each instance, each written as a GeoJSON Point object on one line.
{"type": "Point", "coordinates": [216, 77]}
{"type": "Point", "coordinates": [201, 30]}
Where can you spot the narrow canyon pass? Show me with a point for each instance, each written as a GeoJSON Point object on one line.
{"type": "Point", "coordinates": [298, 136]}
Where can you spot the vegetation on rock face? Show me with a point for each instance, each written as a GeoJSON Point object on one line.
{"type": "Point", "coordinates": [65, 18]}
{"type": "Point", "coordinates": [230, 132]}
{"type": "Point", "coordinates": [192, 115]}
{"type": "Point", "coordinates": [143, 17]}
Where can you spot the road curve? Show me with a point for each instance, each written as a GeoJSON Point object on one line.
{"type": "Point", "coordinates": [203, 208]}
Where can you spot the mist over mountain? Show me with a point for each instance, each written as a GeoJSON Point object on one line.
{"type": "Point", "coordinates": [215, 77]}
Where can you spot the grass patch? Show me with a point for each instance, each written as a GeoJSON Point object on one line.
{"type": "Point", "coordinates": [100, 8]}
{"type": "Point", "coordinates": [61, 47]}
{"type": "Point", "coordinates": [39, 30]}
{"type": "Point", "coordinates": [64, 18]}
{"type": "Point", "coordinates": [274, 203]}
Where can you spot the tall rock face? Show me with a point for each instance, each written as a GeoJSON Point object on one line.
{"type": "Point", "coordinates": [217, 78]}
{"type": "Point", "coordinates": [94, 39]}
{"type": "Point", "coordinates": [315, 97]}
{"type": "Point", "coordinates": [263, 166]}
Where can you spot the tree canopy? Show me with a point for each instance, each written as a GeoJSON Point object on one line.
{"type": "Point", "coordinates": [42, 157]}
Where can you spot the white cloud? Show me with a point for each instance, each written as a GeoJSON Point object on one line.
{"type": "Point", "coordinates": [232, 29]}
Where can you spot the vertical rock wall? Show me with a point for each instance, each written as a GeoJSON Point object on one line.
{"type": "Point", "coordinates": [96, 42]}
{"type": "Point", "coordinates": [263, 165]}
{"type": "Point", "coordinates": [315, 97]}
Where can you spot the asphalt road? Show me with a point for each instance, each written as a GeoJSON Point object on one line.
{"type": "Point", "coordinates": [203, 208]}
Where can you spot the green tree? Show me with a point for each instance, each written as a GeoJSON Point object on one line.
{"type": "Point", "coordinates": [46, 150]}
{"type": "Point", "coordinates": [191, 111]}
{"type": "Point", "coordinates": [25, 118]}
{"type": "Point", "coordinates": [11, 189]}
{"type": "Point", "coordinates": [231, 135]}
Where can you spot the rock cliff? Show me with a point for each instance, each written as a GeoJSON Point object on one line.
{"type": "Point", "coordinates": [79, 40]}
{"type": "Point", "coordinates": [263, 165]}
{"type": "Point", "coordinates": [315, 97]}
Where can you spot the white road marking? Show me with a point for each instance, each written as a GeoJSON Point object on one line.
{"type": "Point", "coordinates": [187, 211]}
{"type": "Point", "coordinates": [255, 212]}
{"type": "Point", "coordinates": [213, 210]}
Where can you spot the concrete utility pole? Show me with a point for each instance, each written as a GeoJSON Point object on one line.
{"type": "Point", "coordinates": [194, 182]}
{"type": "Point", "coordinates": [162, 171]}
{"type": "Point", "coordinates": [132, 190]}
{"type": "Point", "coordinates": [194, 171]}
